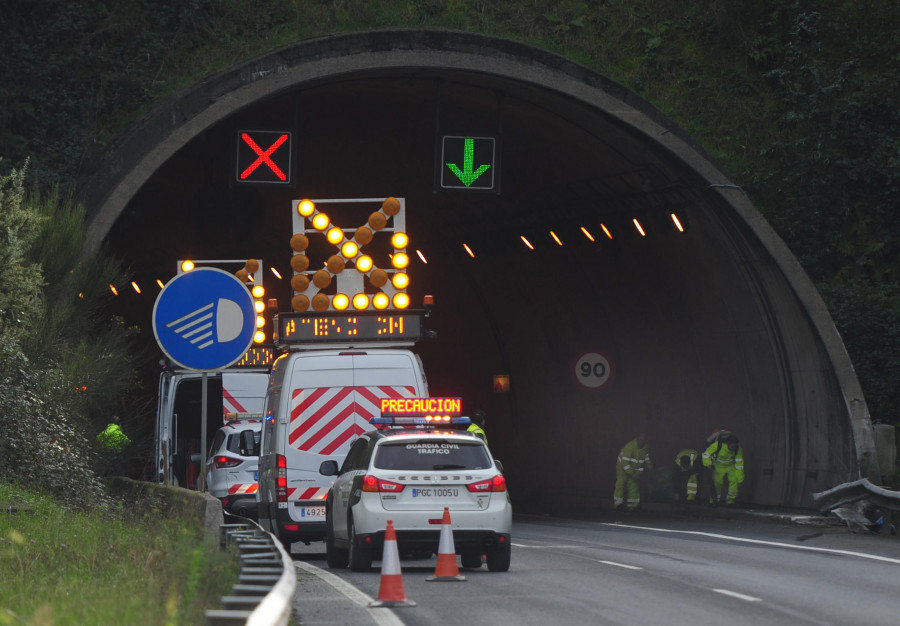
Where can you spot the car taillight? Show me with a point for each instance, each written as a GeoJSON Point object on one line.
{"type": "Point", "coordinates": [221, 462]}
{"type": "Point", "coordinates": [497, 483]}
{"type": "Point", "coordinates": [281, 478]}
{"type": "Point", "coordinates": [376, 485]}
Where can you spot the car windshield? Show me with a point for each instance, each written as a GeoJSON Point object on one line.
{"type": "Point", "coordinates": [432, 454]}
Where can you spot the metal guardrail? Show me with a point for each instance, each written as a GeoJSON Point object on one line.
{"type": "Point", "coordinates": [265, 588]}
{"type": "Point", "coordinates": [846, 501]}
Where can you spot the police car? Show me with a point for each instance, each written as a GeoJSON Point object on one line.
{"type": "Point", "coordinates": [232, 466]}
{"type": "Point", "coordinates": [409, 475]}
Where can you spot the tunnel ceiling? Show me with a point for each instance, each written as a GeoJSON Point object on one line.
{"type": "Point", "coordinates": [714, 321]}
{"type": "Point", "coordinates": [561, 166]}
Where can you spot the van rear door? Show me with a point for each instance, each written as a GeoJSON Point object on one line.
{"type": "Point", "coordinates": [244, 392]}
{"type": "Point", "coordinates": [332, 399]}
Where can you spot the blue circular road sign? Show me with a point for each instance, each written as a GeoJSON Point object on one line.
{"type": "Point", "coordinates": [204, 319]}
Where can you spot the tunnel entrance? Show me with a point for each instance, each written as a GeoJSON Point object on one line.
{"type": "Point", "coordinates": [614, 280]}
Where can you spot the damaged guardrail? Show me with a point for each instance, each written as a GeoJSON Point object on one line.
{"type": "Point", "coordinates": [267, 581]}
{"type": "Point", "coordinates": [851, 501]}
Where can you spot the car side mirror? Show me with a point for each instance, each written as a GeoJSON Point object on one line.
{"type": "Point", "coordinates": [248, 445]}
{"type": "Point", "coordinates": [499, 465]}
{"type": "Point", "coordinates": [329, 468]}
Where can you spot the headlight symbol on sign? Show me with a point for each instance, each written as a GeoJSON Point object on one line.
{"type": "Point", "coordinates": [224, 318]}
{"type": "Point", "coordinates": [204, 319]}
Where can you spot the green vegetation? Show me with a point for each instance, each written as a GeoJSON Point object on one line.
{"type": "Point", "coordinates": [65, 361]}
{"type": "Point", "coordinates": [126, 565]}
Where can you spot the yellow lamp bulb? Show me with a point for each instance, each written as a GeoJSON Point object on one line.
{"type": "Point", "coordinates": [364, 263]}
{"type": "Point", "coordinates": [360, 301]}
{"type": "Point", "coordinates": [259, 336]}
{"type": "Point", "coordinates": [350, 249]}
{"type": "Point", "coordinates": [381, 301]}
{"type": "Point", "coordinates": [400, 281]}
{"type": "Point", "coordinates": [320, 221]}
{"type": "Point", "coordinates": [400, 260]}
{"type": "Point", "coordinates": [401, 301]}
{"type": "Point", "coordinates": [340, 302]}
{"type": "Point", "coordinates": [400, 240]}
{"type": "Point", "coordinates": [335, 235]}
{"type": "Point", "coordinates": [306, 208]}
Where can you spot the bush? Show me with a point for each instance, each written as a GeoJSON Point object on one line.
{"type": "Point", "coordinates": [63, 364]}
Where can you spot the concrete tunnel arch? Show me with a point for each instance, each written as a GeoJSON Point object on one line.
{"type": "Point", "coordinates": [724, 329]}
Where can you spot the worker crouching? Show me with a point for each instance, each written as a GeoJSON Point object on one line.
{"type": "Point", "coordinates": [725, 460]}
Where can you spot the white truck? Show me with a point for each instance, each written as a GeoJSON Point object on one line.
{"type": "Point", "coordinates": [240, 390]}
{"type": "Point", "coordinates": [321, 397]}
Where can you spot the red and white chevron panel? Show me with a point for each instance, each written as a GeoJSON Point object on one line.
{"type": "Point", "coordinates": [243, 488]}
{"type": "Point", "coordinates": [310, 493]}
{"type": "Point", "coordinates": [230, 404]}
{"type": "Point", "coordinates": [325, 420]}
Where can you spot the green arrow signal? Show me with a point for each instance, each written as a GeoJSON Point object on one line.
{"type": "Point", "coordinates": [466, 175]}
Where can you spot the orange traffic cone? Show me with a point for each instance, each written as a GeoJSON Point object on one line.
{"type": "Point", "coordinates": [391, 592]}
{"type": "Point", "coordinates": [446, 569]}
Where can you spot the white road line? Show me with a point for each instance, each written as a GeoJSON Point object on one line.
{"type": "Point", "coordinates": [621, 565]}
{"type": "Point", "coordinates": [379, 615]}
{"type": "Point", "coordinates": [777, 544]}
{"type": "Point", "coordinates": [739, 596]}
{"type": "Point", "coordinates": [522, 545]}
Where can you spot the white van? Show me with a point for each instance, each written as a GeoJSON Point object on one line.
{"type": "Point", "coordinates": [317, 404]}
{"type": "Point", "coordinates": [235, 393]}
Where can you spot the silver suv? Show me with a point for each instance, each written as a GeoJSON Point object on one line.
{"type": "Point", "coordinates": [232, 473]}
{"type": "Point", "coordinates": [409, 477]}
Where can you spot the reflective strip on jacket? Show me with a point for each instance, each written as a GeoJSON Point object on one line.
{"type": "Point", "coordinates": [688, 452]}
{"type": "Point", "coordinates": [633, 459]}
{"type": "Point", "coordinates": [479, 432]}
{"type": "Point", "coordinates": [719, 456]}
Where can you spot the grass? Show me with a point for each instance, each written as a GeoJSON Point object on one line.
{"type": "Point", "coordinates": [127, 565]}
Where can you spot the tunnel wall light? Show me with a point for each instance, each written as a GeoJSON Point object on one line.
{"type": "Point", "coordinates": [639, 228]}
{"type": "Point", "coordinates": [526, 242]}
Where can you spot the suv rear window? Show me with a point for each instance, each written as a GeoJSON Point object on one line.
{"type": "Point", "coordinates": [234, 442]}
{"type": "Point", "coordinates": [432, 454]}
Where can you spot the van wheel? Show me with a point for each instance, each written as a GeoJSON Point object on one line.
{"type": "Point", "coordinates": [498, 558]}
{"type": "Point", "coordinates": [360, 559]}
{"type": "Point", "coordinates": [470, 560]}
{"type": "Point", "coordinates": [336, 557]}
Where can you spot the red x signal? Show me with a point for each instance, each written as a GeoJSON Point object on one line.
{"type": "Point", "coordinates": [277, 157]}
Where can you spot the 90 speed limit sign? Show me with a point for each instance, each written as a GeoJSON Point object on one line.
{"type": "Point", "coordinates": [593, 370]}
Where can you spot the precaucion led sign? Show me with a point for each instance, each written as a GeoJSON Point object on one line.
{"type": "Point", "coordinates": [264, 156]}
{"type": "Point", "coordinates": [400, 407]}
{"type": "Point", "coordinates": [468, 163]}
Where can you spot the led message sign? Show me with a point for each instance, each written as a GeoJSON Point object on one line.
{"type": "Point", "coordinates": [398, 407]}
{"type": "Point", "coordinates": [257, 357]}
{"type": "Point", "coordinates": [305, 328]}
